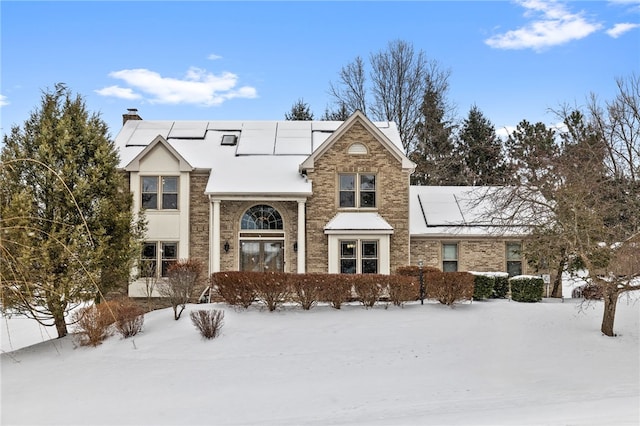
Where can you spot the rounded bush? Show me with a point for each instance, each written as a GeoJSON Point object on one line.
{"type": "Point", "coordinates": [526, 288]}
{"type": "Point", "coordinates": [483, 286]}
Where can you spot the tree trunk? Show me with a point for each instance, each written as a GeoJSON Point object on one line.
{"type": "Point", "coordinates": [557, 282]}
{"type": "Point", "coordinates": [610, 297]}
{"type": "Point", "coordinates": [61, 325]}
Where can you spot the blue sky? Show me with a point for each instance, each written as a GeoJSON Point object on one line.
{"type": "Point", "coordinates": [211, 60]}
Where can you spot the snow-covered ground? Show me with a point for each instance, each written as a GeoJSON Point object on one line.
{"type": "Point", "coordinates": [486, 363]}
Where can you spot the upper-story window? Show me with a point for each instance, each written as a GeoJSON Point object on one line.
{"type": "Point", "coordinates": [160, 192]}
{"type": "Point", "coordinates": [357, 190]}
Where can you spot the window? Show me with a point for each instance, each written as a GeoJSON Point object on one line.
{"type": "Point", "coordinates": [261, 217]}
{"type": "Point", "coordinates": [357, 190]}
{"type": "Point", "coordinates": [358, 257]}
{"type": "Point", "coordinates": [160, 192]}
{"type": "Point", "coordinates": [514, 259]}
{"type": "Point", "coordinates": [157, 253]}
{"type": "Point", "coordinates": [450, 257]}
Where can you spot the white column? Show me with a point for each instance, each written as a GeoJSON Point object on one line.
{"type": "Point", "coordinates": [302, 252]}
{"type": "Point", "coordinates": [214, 244]}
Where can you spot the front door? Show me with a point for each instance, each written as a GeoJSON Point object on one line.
{"type": "Point", "coordinates": [261, 256]}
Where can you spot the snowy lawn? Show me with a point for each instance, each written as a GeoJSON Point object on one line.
{"type": "Point", "coordinates": [486, 363]}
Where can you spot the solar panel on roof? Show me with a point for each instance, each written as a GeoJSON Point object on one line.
{"type": "Point", "coordinates": [257, 138]}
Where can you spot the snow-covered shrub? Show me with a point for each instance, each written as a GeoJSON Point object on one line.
{"type": "Point", "coordinates": [129, 317]}
{"type": "Point", "coordinates": [483, 286]}
{"type": "Point", "coordinates": [93, 323]}
{"type": "Point", "coordinates": [234, 287]}
{"type": "Point", "coordinates": [305, 289]}
{"type": "Point", "coordinates": [208, 322]}
{"type": "Point", "coordinates": [500, 286]}
{"type": "Point", "coordinates": [449, 288]}
{"type": "Point", "coordinates": [526, 288]}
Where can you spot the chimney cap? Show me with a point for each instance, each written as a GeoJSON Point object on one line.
{"type": "Point", "coordinates": [132, 110]}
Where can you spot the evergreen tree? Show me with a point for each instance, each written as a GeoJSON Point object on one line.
{"type": "Point", "coordinates": [341, 114]}
{"type": "Point", "coordinates": [300, 111]}
{"type": "Point", "coordinates": [67, 232]}
{"type": "Point", "coordinates": [481, 150]}
{"type": "Point", "coordinates": [532, 150]}
{"type": "Point", "coordinates": [435, 156]}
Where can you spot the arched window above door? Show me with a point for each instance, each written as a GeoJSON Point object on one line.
{"type": "Point", "coordinates": [261, 217]}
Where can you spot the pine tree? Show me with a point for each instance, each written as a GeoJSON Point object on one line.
{"type": "Point", "coordinates": [435, 156]}
{"type": "Point", "coordinates": [67, 232]}
{"type": "Point", "coordinates": [481, 150]}
{"type": "Point", "coordinates": [300, 111]}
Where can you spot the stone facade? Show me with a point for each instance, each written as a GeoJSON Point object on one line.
{"type": "Point", "coordinates": [392, 197]}
{"type": "Point", "coordinates": [231, 213]}
{"type": "Point", "coordinates": [199, 217]}
{"type": "Point", "coordinates": [477, 254]}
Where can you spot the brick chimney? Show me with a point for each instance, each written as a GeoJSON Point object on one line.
{"type": "Point", "coordinates": [132, 114]}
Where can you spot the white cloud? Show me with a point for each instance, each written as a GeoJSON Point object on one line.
{"type": "Point", "coordinates": [213, 57]}
{"type": "Point", "coordinates": [619, 29]}
{"type": "Point", "coordinates": [118, 92]}
{"type": "Point", "coordinates": [3, 101]}
{"type": "Point", "coordinates": [198, 87]}
{"type": "Point", "coordinates": [551, 25]}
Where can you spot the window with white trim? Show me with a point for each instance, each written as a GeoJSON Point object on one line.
{"type": "Point", "coordinates": [160, 192]}
{"type": "Point", "coordinates": [450, 257]}
{"type": "Point", "coordinates": [359, 257]}
{"type": "Point", "coordinates": [156, 253]}
{"type": "Point", "coordinates": [357, 190]}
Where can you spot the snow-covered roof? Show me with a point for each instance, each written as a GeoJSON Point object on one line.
{"type": "Point", "coordinates": [265, 158]}
{"type": "Point", "coordinates": [457, 211]}
{"type": "Point", "coordinates": [358, 221]}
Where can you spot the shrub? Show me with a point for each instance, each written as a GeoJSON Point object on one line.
{"type": "Point", "coordinates": [182, 279]}
{"type": "Point", "coordinates": [526, 288]}
{"type": "Point", "coordinates": [305, 289]}
{"type": "Point", "coordinates": [93, 323]}
{"type": "Point", "coordinates": [403, 289]}
{"type": "Point", "coordinates": [368, 288]}
{"type": "Point", "coordinates": [336, 290]}
{"type": "Point", "coordinates": [129, 317]}
{"type": "Point", "coordinates": [500, 286]}
{"type": "Point", "coordinates": [208, 322]}
{"type": "Point", "coordinates": [414, 270]}
{"type": "Point", "coordinates": [272, 288]}
{"type": "Point", "coordinates": [449, 287]}
{"type": "Point", "coordinates": [234, 287]}
{"type": "Point", "coordinates": [483, 286]}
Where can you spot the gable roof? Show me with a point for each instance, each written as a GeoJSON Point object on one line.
{"type": "Point", "coordinates": [264, 161]}
{"type": "Point", "coordinates": [375, 130]}
{"type": "Point", "coordinates": [134, 164]}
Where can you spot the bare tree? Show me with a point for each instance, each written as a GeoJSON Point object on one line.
{"type": "Point", "coordinates": [398, 80]}
{"type": "Point", "coordinates": [588, 205]}
{"type": "Point", "coordinates": [350, 91]}
{"type": "Point", "coordinates": [183, 278]}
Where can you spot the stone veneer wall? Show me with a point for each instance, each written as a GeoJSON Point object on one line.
{"type": "Point", "coordinates": [392, 192]}
{"type": "Point", "coordinates": [230, 214]}
{"type": "Point", "coordinates": [480, 255]}
{"type": "Point", "coordinates": [199, 218]}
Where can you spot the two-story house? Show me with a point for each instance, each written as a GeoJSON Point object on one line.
{"type": "Point", "coordinates": [297, 196]}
